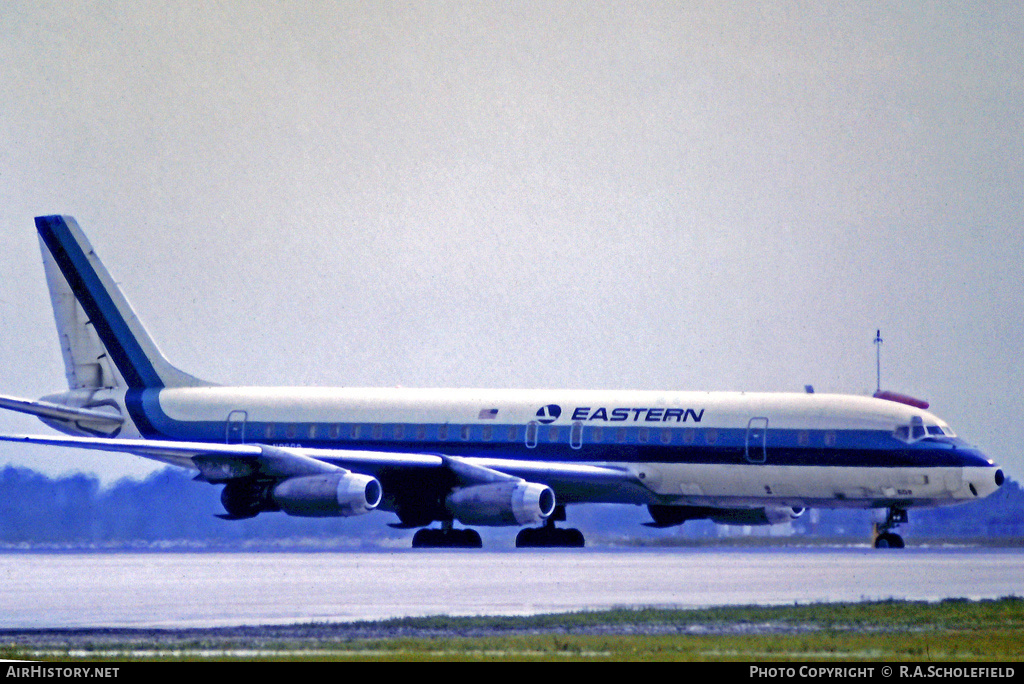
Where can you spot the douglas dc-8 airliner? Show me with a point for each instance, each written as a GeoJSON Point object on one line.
{"type": "Point", "coordinates": [485, 457]}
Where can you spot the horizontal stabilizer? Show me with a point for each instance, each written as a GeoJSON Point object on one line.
{"type": "Point", "coordinates": [47, 409]}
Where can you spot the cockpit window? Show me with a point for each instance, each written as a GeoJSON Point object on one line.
{"type": "Point", "coordinates": [918, 430]}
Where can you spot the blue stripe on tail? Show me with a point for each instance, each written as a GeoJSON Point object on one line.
{"type": "Point", "coordinates": [105, 314]}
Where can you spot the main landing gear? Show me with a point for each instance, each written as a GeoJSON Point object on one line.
{"type": "Point", "coordinates": [550, 536]}
{"type": "Point", "coordinates": [884, 538]}
{"type": "Point", "coordinates": [446, 538]}
{"type": "Point", "coordinates": [547, 536]}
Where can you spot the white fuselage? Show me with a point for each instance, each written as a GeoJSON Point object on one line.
{"type": "Point", "coordinates": [688, 448]}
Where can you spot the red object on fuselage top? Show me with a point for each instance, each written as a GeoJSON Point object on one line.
{"type": "Point", "coordinates": [901, 398]}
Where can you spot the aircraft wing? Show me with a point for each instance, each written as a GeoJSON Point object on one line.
{"type": "Point", "coordinates": [217, 463]}
{"type": "Point", "coordinates": [576, 482]}
{"type": "Point", "coordinates": [246, 459]}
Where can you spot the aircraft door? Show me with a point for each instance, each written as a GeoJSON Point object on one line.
{"type": "Point", "coordinates": [530, 437]}
{"type": "Point", "coordinates": [235, 429]}
{"type": "Point", "coordinates": [757, 440]}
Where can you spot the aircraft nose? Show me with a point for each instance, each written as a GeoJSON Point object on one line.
{"type": "Point", "coordinates": [982, 482]}
{"type": "Point", "coordinates": [982, 476]}
{"type": "Point", "coordinates": [995, 473]}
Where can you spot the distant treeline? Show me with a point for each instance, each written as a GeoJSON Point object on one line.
{"type": "Point", "coordinates": [166, 506]}
{"type": "Point", "coordinates": [169, 507]}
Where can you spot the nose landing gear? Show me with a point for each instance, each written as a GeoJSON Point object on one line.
{"type": "Point", "coordinates": [883, 536]}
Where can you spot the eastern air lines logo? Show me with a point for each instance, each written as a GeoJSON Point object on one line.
{"type": "Point", "coordinates": [548, 414]}
{"type": "Point", "coordinates": [551, 412]}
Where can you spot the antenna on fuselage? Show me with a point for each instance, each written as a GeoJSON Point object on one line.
{"type": "Point", "coordinates": [887, 395]}
{"type": "Point", "coordinates": [878, 361]}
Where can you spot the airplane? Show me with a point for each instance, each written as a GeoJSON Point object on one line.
{"type": "Point", "coordinates": [482, 457]}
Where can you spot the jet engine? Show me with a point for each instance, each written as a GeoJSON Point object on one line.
{"type": "Point", "coordinates": [667, 516]}
{"type": "Point", "coordinates": [328, 495]}
{"type": "Point", "coordinates": [502, 503]}
{"type": "Point", "coordinates": [244, 498]}
{"type": "Point", "coordinates": [769, 515]}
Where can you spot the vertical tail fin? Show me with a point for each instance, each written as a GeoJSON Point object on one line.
{"type": "Point", "coordinates": [103, 342]}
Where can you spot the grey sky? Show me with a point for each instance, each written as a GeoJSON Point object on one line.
{"type": "Point", "coordinates": [546, 194]}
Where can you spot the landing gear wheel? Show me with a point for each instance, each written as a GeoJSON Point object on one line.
{"type": "Point", "coordinates": [550, 536]}
{"type": "Point", "coordinates": [446, 539]}
{"type": "Point", "coordinates": [889, 540]}
{"type": "Point", "coordinates": [574, 538]}
{"type": "Point", "coordinates": [422, 539]}
{"type": "Point", "coordinates": [472, 539]}
{"type": "Point", "coordinates": [885, 538]}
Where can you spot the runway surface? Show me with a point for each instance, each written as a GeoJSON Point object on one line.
{"type": "Point", "coordinates": [40, 590]}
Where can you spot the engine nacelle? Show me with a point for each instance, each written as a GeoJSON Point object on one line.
{"type": "Point", "coordinates": [667, 516]}
{"type": "Point", "coordinates": [769, 515]}
{"type": "Point", "coordinates": [783, 514]}
{"type": "Point", "coordinates": [328, 495]}
{"type": "Point", "coordinates": [502, 503]}
{"type": "Point", "coordinates": [244, 498]}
